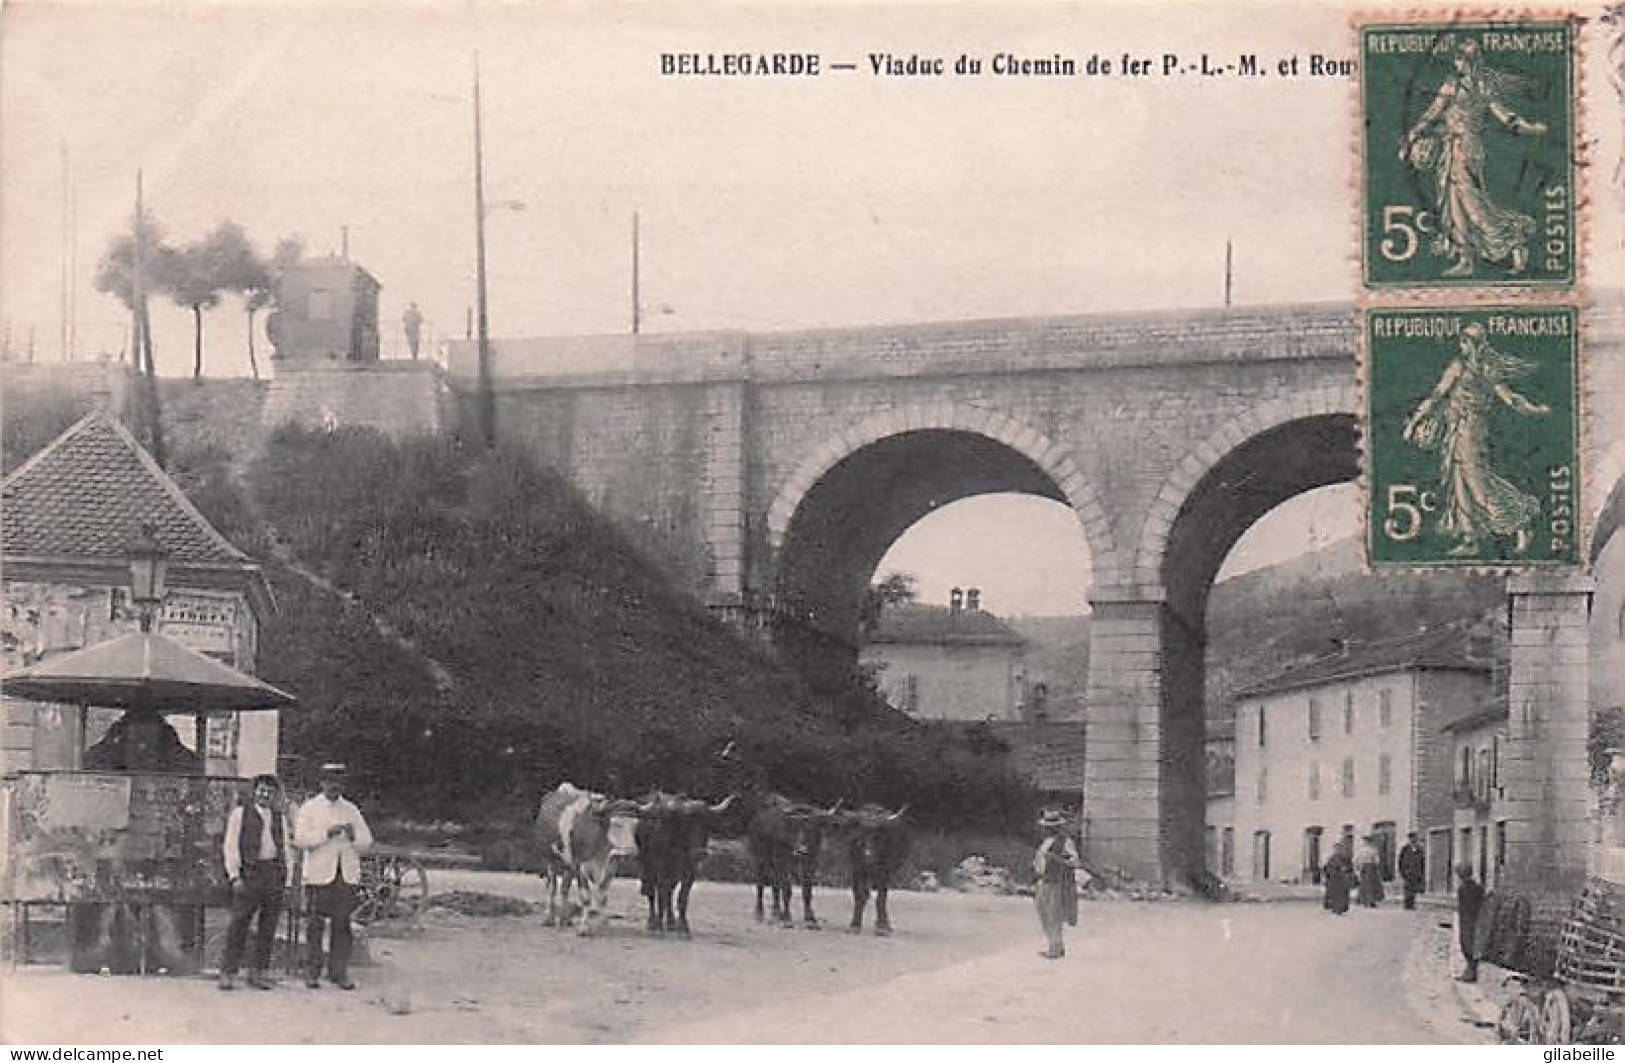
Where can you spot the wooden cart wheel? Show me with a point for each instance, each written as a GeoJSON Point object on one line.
{"type": "Point", "coordinates": [392, 887]}
{"type": "Point", "coordinates": [1518, 1023]}
{"type": "Point", "coordinates": [1556, 1022]}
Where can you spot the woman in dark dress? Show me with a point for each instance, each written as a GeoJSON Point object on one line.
{"type": "Point", "coordinates": [1338, 876]}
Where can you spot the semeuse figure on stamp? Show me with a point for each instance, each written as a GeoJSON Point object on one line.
{"type": "Point", "coordinates": [1454, 419]}
{"type": "Point", "coordinates": [1055, 865]}
{"type": "Point", "coordinates": [1448, 144]}
{"type": "Point", "coordinates": [257, 850]}
{"type": "Point", "coordinates": [332, 834]}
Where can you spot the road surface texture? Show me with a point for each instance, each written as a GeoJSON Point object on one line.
{"type": "Point", "coordinates": [960, 969]}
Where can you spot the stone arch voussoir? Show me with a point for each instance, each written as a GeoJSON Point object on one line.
{"type": "Point", "coordinates": [1048, 454]}
{"type": "Point", "coordinates": [1204, 455]}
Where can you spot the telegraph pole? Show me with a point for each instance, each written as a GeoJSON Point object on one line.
{"type": "Point", "coordinates": [636, 310]}
{"type": "Point", "coordinates": [484, 400]}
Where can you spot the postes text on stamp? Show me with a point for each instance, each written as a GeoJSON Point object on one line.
{"type": "Point", "coordinates": [1469, 147]}
{"type": "Point", "coordinates": [1472, 437]}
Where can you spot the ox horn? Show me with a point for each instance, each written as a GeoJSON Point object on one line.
{"type": "Point", "coordinates": [723, 807]}
{"type": "Point", "coordinates": [897, 815]}
{"type": "Point", "coordinates": [836, 807]}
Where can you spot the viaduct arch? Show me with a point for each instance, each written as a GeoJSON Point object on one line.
{"type": "Point", "coordinates": [771, 471]}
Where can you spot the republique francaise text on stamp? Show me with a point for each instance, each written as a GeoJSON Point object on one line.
{"type": "Point", "coordinates": [1468, 154]}
{"type": "Point", "coordinates": [1472, 436]}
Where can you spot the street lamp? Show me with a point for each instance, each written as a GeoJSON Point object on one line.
{"type": "Point", "coordinates": [148, 565]}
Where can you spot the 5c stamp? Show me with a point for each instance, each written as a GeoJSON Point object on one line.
{"type": "Point", "coordinates": [1472, 436]}
{"type": "Point", "coordinates": [1469, 147]}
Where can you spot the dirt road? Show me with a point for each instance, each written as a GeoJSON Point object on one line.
{"type": "Point", "coordinates": [961, 968]}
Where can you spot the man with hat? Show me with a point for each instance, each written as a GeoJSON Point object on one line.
{"type": "Point", "coordinates": [1055, 867]}
{"type": "Point", "coordinates": [256, 850]}
{"type": "Point", "coordinates": [332, 834]}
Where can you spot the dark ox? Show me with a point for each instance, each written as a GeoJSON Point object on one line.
{"type": "Point", "coordinates": [673, 836]}
{"type": "Point", "coordinates": [877, 843]}
{"type": "Point", "coordinates": [572, 831]}
{"type": "Point", "coordinates": [784, 838]}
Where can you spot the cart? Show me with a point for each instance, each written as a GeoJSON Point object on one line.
{"type": "Point", "coordinates": [1579, 996]}
{"type": "Point", "coordinates": [394, 885]}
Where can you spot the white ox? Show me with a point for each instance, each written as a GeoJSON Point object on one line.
{"type": "Point", "coordinates": [579, 844]}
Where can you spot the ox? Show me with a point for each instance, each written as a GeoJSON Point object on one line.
{"type": "Point", "coordinates": [784, 838]}
{"type": "Point", "coordinates": [877, 844]}
{"type": "Point", "coordinates": [573, 833]}
{"type": "Point", "coordinates": [673, 835]}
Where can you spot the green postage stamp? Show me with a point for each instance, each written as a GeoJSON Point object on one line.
{"type": "Point", "coordinates": [1469, 149]}
{"type": "Point", "coordinates": [1472, 436]}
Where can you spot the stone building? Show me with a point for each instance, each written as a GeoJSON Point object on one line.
{"type": "Point", "coordinates": [1220, 832]}
{"type": "Point", "coordinates": [1476, 833]}
{"type": "Point", "coordinates": [1348, 746]}
{"type": "Point", "coordinates": [957, 662]}
{"type": "Point", "coordinates": [70, 512]}
{"type": "Point", "coordinates": [327, 310]}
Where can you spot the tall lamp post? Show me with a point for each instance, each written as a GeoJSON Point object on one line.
{"type": "Point", "coordinates": [485, 400]}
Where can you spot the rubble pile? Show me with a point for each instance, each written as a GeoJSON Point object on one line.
{"type": "Point", "coordinates": [975, 875]}
{"type": "Point", "coordinates": [472, 902]}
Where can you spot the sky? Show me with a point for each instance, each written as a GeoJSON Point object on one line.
{"type": "Point", "coordinates": [764, 203]}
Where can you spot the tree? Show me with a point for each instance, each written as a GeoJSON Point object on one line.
{"type": "Point", "coordinates": [204, 272]}
{"type": "Point", "coordinates": [244, 271]}
{"type": "Point", "coordinates": [133, 265]}
{"type": "Point", "coordinates": [895, 589]}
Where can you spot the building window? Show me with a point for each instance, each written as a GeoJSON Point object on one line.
{"type": "Point", "coordinates": [1314, 780]}
{"type": "Point", "coordinates": [1348, 776]}
{"type": "Point", "coordinates": [1263, 729]}
{"type": "Point", "coordinates": [911, 694]}
{"type": "Point", "coordinates": [1464, 771]}
{"type": "Point", "coordinates": [1227, 855]}
{"type": "Point", "coordinates": [1314, 719]}
{"type": "Point", "coordinates": [1385, 773]}
{"type": "Point", "coordinates": [1348, 713]}
{"type": "Point", "coordinates": [1385, 707]}
{"type": "Point", "coordinates": [1263, 784]}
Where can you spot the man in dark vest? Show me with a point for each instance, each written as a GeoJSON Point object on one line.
{"type": "Point", "coordinates": [256, 849]}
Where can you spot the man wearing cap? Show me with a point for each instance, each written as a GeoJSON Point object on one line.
{"type": "Point", "coordinates": [332, 834]}
{"type": "Point", "coordinates": [257, 852]}
{"type": "Point", "coordinates": [1055, 866]}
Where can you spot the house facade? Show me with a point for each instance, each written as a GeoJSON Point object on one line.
{"type": "Point", "coordinates": [957, 662]}
{"type": "Point", "coordinates": [70, 513]}
{"type": "Point", "coordinates": [1476, 832]}
{"type": "Point", "coordinates": [1351, 746]}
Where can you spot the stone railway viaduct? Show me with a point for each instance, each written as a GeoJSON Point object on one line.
{"type": "Point", "coordinates": [773, 471]}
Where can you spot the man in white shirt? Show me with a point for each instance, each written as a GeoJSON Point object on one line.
{"type": "Point", "coordinates": [258, 863]}
{"type": "Point", "coordinates": [332, 834]}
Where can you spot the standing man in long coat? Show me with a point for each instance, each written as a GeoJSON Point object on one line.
{"type": "Point", "coordinates": [1055, 866]}
{"type": "Point", "coordinates": [1413, 869]}
{"type": "Point", "coordinates": [1338, 875]}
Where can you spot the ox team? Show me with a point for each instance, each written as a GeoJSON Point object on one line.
{"type": "Point", "coordinates": [580, 834]}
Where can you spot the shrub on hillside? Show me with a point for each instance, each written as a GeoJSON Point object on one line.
{"type": "Point", "coordinates": [572, 656]}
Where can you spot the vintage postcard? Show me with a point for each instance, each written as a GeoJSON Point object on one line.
{"type": "Point", "coordinates": [810, 522]}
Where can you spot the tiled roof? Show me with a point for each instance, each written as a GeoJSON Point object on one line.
{"type": "Point", "coordinates": [910, 622]}
{"type": "Point", "coordinates": [88, 493]}
{"type": "Point", "coordinates": [1445, 649]}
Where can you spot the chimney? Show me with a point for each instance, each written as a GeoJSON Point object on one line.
{"type": "Point", "coordinates": [956, 600]}
{"type": "Point", "coordinates": [973, 600]}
